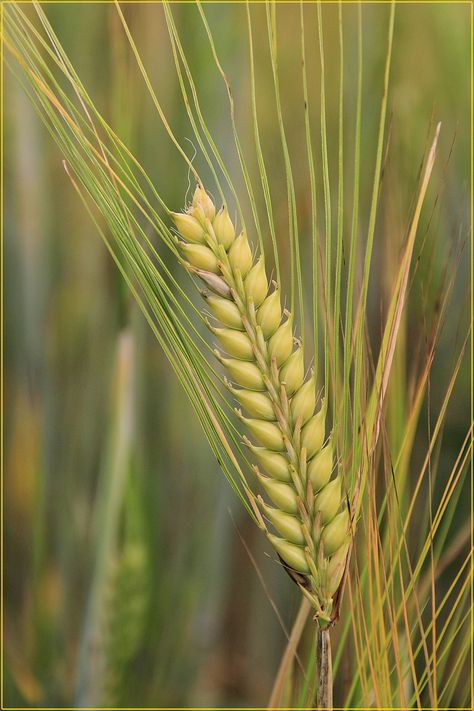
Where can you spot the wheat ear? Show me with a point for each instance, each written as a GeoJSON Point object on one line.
{"type": "Point", "coordinates": [263, 359]}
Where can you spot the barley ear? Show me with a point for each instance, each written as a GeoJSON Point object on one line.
{"type": "Point", "coordinates": [266, 365]}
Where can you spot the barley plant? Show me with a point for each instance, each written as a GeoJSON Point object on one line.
{"type": "Point", "coordinates": [282, 189]}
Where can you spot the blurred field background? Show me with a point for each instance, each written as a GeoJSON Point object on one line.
{"type": "Point", "coordinates": [99, 436]}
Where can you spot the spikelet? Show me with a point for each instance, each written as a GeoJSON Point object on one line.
{"type": "Point", "coordinates": [281, 343]}
{"type": "Point", "coordinates": [248, 375]}
{"type": "Point", "coordinates": [320, 467]}
{"type": "Point", "coordinates": [189, 228]}
{"type": "Point", "coordinates": [202, 208]}
{"type": "Point", "coordinates": [266, 433]}
{"type": "Point", "coordinates": [287, 525]}
{"type": "Point", "coordinates": [335, 534]}
{"type": "Point", "coordinates": [328, 501]}
{"type": "Point", "coordinates": [275, 464]}
{"type": "Point", "coordinates": [292, 555]}
{"type": "Point", "coordinates": [312, 435]}
{"type": "Point", "coordinates": [292, 373]}
{"type": "Point", "coordinates": [200, 256]}
{"type": "Point", "coordinates": [304, 402]}
{"type": "Point", "coordinates": [256, 284]}
{"type": "Point", "coordinates": [282, 495]}
{"type": "Point", "coordinates": [240, 256]}
{"type": "Point", "coordinates": [235, 343]}
{"type": "Point", "coordinates": [225, 311]}
{"type": "Point", "coordinates": [309, 511]}
{"type": "Point", "coordinates": [336, 566]}
{"type": "Point", "coordinates": [269, 314]}
{"type": "Point", "coordinates": [256, 403]}
{"type": "Point", "coordinates": [223, 228]}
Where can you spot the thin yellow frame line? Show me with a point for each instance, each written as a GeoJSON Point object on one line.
{"type": "Point", "coordinates": [222, 2]}
{"type": "Point", "coordinates": [1, 351]}
{"type": "Point", "coordinates": [472, 346]}
{"type": "Point", "coordinates": [241, 2]}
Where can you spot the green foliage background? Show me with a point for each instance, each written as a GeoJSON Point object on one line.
{"type": "Point", "coordinates": [97, 427]}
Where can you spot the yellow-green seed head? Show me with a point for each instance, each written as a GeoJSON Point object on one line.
{"type": "Point", "coordinates": [266, 433]}
{"type": "Point", "coordinates": [202, 207]}
{"type": "Point", "coordinates": [283, 495]}
{"type": "Point", "coordinates": [286, 524]}
{"type": "Point", "coordinates": [188, 227]}
{"type": "Point", "coordinates": [275, 464]}
{"type": "Point", "coordinates": [234, 276]}
{"type": "Point", "coordinates": [225, 311]}
{"type": "Point", "coordinates": [269, 314]}
{"type": "Point", "coordinates": [236, 343]}
{"type": "Point", "coordinates": [292, 373]}
{"type": "Point", "coordinates": [281, 343]}
{"type": "Point", "coordinates": [335, 534]}
{"type": "Point", "coordinates": [200, 256]}
{"type": "Point", "coordinates": [256, 283]}
{"type": "Point", "coordinates": [292, 555]}
{"type": "Point", "coordinates": [320, 467]}
{"type": "Point", "coordinates": [328, 500]}
{"type": "Point", "coordinates": [240, 255]}
{"type": "Point", "coordinates": [304, 401]}
{"type": "Point", "coordinates": [244, 373]}
{"type": "Point", "coordinates": [312, 434]}
{"type": "Point", "coordinates": [256, 403]}
{"type": "Point", "coordinates": [223, 228]}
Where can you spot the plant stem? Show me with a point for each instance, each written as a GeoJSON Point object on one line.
{"type": "Point", "coordinates": [324, 669]}
{"type": "Point", "coordinates": [290, 654]}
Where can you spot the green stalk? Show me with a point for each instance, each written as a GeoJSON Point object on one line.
{"type": "Point", "coordinates": [324, 669]}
